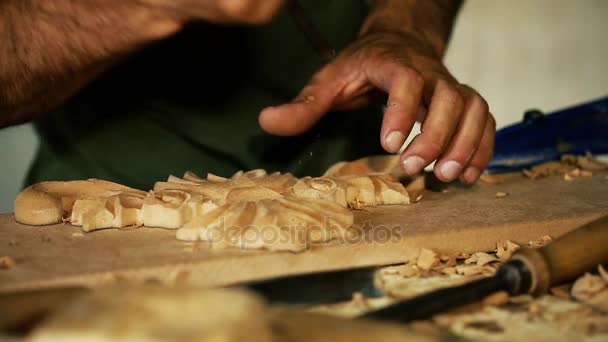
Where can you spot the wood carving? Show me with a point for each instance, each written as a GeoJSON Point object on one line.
{"type": "Point", "coordinates": [275, 224]}
{"type": "Point", "coordinates": [52, 202]}
{"type": "Point", "coordinates": [297, 213]}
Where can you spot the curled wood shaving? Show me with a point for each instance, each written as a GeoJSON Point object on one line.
{"type": "Point", "coordinates": [480, 259]}
{"type": "Point", "coordinates": [416, 189]}
{"type": "Point", "coordinates": [540, 242]}
{"type": "Point", "coordinates": [501, 194]}
{"type": "Point", "coordinates": [6, 262]}
{"type": "Point", "coordinates": [471, 270]}
{"type": "Point", "coordinates": [592, 290]}
{"type": "Point", "coordinates": [505, 249]}
{"type": "Point", "coordinates": [492, 179]}
{"type": "Point", "coordinates": [427, 259]}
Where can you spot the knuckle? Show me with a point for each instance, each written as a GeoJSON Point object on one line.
{"type": "Point", "coordinates": [479, 104]}
{"type": "Point", "coordinates": [413, 77]}
{"type": "Point", "coordinates": [435, 146]}
{"type": "Point", "coordinates": [452, 96]}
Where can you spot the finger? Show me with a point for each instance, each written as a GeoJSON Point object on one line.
{"type": "Point", "coordinates": [345, 102]}
{"type": "Point", "coordinates": [467, 138]}
{"type": "Point", "coordinates": [441, 121]}
{"type": "Point", "coordinates": [484, 152]}
{"type": "Point", "coordinates": [250, 11]}
{"type": "Point", "coordinates": [404, 87]}
{"type": "Point", "coordinates": [307, 109]}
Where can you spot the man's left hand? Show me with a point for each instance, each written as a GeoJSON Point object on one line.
{"type": "Point", "coordinates": [457, 127]}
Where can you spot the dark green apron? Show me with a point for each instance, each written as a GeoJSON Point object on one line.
{"type": "Point", "coordinates": [192, 103]}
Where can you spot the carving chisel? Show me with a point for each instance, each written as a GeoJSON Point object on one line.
{"type": "Point", "coordinates": [530, 271]}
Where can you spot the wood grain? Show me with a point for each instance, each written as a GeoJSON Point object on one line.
{"type": "Point", "coordinates": [462, 220]}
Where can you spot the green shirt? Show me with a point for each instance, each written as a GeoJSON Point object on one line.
{"type": "Point", "coordinates": [191, 102]}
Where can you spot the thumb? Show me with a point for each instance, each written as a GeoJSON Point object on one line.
{"type": "Point", "coordinates": [313, 102]}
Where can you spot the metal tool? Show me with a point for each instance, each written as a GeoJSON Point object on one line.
{"type": "Point", "coordinates": [314, 36]}
{"type": "Point", "coordinates": [545, 137]}
{"type": "Point", "coordinates": [531, 271]}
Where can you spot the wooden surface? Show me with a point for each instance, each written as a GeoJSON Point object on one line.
{"type": "Point", "coordinates": [461, 220]}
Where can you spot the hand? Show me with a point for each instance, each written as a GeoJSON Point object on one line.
{"type": "Point", "coordinates": [457, 127]}
{"type": "Point", "coordinates": [221, 11]}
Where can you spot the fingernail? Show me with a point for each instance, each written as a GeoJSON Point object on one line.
{"type": "Point", "coordinates": [471, 174]}
{"type": "Point", "coordinates": [413, 165]}
{"type": "Point", "coordinates": [394, 140]}
{"type": "Point", "coordinates": [450, 170]}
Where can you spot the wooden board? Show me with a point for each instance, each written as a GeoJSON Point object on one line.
{"type": "Point", "coordinates": [461, 220]}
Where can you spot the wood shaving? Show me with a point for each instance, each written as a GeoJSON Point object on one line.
{"type": "Point", "coordinates": [603, 273]}
{"type": "Point", "coordinates": [471, 270]}
{"type": "Point", "coordinates": [77, 234]}
{"type": "Point", "coordinates": [521, 299]}
{"type": "Point", "coordinates": [546, 169]}
{"type": "Point", "coordinates": [409, 271]}
{"type": "Point", "coordinates": [501, 194]}
{"type": "Point", "coordinates": [416, 188]}
{"type": "Point", "coordinates": [540, 242]}
{"type": "Point", "coordinates": [6, 263]}
{"type": "Point", "coordinates": [449, 270]}
{"type": "Point", "coordinates": [592, 290]}
{"type": "Point", "coordinates": [359, 300]}
{"type": "Point", "coordinates": [427, 259]}
{"type": "Point", "coordinates": [492, 179]}
{"type": "Point", "coordinates": [534, 310]}
{"type": "Point", "coordinates": [568, 178]}
{"type": "Point", "coordinates": [485, 258]}
{"type": "Point", "coordinates": [463, 255]}
{"type": "Point", "coordinates": [448, 260]}
{"type": "Point", "coordinates": [505, 250]}
{"type": "Point", "coordinates": [560, 292]}
{"type": "Point", "coordinates": [480, 259]}
{"type": "Point", "coordinates": [497, 299]}
{"type": "Point", "coordinates": [586, 162]}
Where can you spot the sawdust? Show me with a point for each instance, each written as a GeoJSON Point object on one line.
{"type": "Point", "coordinates": [540, 242]}
{"type": "Point", "coordinates": [6, 263]}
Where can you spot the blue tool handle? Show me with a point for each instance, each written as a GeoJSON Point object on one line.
{"type": "Point", "coordinates": [545, 137]}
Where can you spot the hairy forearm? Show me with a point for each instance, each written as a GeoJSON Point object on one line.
{"type": "Point", "coordinates": [51, 48]}
{"type": "Point", "coordinates": [431, 20]}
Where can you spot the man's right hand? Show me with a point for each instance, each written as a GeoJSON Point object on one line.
{"type": "Point", "coordinates": [221, 11]}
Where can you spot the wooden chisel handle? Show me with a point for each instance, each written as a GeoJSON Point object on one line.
{"type": "Point", "coordinates": [568, 257]}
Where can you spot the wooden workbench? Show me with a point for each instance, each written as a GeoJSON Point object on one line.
{"type": "Point", "coordinates": [460, 220]}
